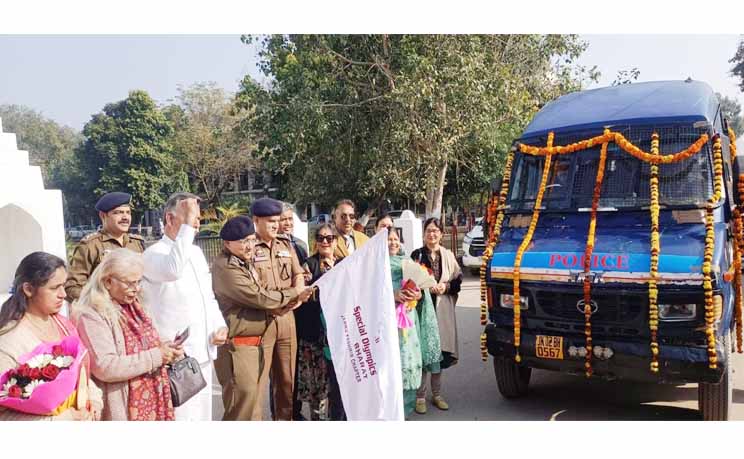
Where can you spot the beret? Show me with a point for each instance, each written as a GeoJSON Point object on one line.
{"type": "Point", "coordinates": [266, 207]}
{"type": "Point", "coordinates": [113, 200]}
{"type": "Point", "coordinates": [237, 228]}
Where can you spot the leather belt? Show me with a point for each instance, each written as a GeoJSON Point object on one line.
{"type": "Point", "coordinates": [246, 341]}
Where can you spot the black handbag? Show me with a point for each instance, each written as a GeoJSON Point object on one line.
{"type": "Point", "coordinates": [186, 380]}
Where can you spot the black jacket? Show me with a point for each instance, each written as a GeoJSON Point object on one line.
{"type": "Point", "coordinates": [307, 317]}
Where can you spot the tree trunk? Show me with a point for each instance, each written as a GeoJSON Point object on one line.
{"type": "Point", "coordinates": [435, 194]}
{"type": "Point", "coordinates": [364, 219]}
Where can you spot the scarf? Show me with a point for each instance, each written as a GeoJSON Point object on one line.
{"type": "Point", "coordinates": [149, 394]}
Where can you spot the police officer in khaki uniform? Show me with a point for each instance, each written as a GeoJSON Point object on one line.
{"type": "Point", "coordinates": [249, 309]}
{"type": "Point", "coordinates": [278, 267]}
{"type": "Point", "coordinates": [115, 212]}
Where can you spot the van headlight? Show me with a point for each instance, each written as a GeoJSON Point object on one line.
{"type": "Point", "coordinates": [507, 301]}
{"type": "Point", "coordinates": [677, 312]}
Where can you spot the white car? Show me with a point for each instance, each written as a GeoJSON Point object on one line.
{"type": "Point", "coordinates": [473, 246]}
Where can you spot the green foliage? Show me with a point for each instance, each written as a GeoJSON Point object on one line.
{"type": "Point", "coordinates": [731, 110]}
{"type": "Point", "coordinates": [48, 143]}
{"type": "Point", "coordinates": [738, 60]}
{"type": "Point", "coordinates": [128, 148]}
{"type": "Point", "coordinates": [220, 215]}
{"type": "Point", "coordinates": [210, 148]}
{"type": "Point", "coordinates": [375, 116]}
{"type": "Point", "coordinates": [626, 76]}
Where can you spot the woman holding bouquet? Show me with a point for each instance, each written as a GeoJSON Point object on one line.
{"type": "Point", "coordinates": [419, 343]}
{"type": "Point", "coordinates": [127, 356]}
{"type": "Point", "coordinates": [31, 317]}
{"type": "Point", "coordinates": [447, 272]}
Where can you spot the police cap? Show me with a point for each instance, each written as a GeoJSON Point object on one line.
{"type": "Point", "coordinates": [266, 207]}
{"type": "Point", "coordinates": [110, 201]}
{"type": "Point", "coordinates": [237, 228]}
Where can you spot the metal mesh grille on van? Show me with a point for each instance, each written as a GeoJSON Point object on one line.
{"type": "Point", "coordinates": [626, 180]}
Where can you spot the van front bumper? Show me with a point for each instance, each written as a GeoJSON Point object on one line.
{"type": "Point", "coordinates": [630, 360]}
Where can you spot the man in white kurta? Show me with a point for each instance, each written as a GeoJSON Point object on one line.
{"type": "Point", "coordinates": [177, 288]}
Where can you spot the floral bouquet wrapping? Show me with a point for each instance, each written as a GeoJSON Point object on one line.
{"type": "Point", "coordinates": [46, 380]}
{"type": "Point", "coordinates": [415, 277]}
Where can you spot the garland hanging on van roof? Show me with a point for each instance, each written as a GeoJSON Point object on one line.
{"type": "Point", "coordinates": [494, 221]}
{"type": "Point", "coordinates": [654, 158]}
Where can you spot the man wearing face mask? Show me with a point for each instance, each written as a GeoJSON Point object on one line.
{"type": "Point", "coordinates": [115, 212]}
{"type": "Point", "coordinates": [247, 307]}
{"type": "Point", "coordinates": [177, 286]}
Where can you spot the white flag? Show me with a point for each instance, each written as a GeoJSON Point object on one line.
{"type": "Point", "coordinates": [358, 305]}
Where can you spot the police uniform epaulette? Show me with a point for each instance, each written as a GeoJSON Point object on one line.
{"type": "Point", "coordinates": [136, 236]}
{"type": "Point", "coordinates": [235, 261]}
{"type": "Point", "coordinates": [283, 236]}
{"type": "Point", "coordinates": [91, 236]}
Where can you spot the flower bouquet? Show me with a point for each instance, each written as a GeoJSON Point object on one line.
{"type": "Point", "coordinates": [415, 277]}
{"type": "Point", "coordinates": [46, 380]}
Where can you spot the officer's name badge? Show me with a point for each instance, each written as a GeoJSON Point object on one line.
{"type": "Point", "coordinates": [284, 254]}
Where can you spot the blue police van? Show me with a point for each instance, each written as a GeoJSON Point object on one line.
{"type": "Point", "coordinates": [553, 270]}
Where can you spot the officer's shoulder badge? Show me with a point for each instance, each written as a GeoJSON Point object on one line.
{"type": "Point", "coordinates": [136, 236]}
{"type": "Point", "coordinates": [235, 261]}
{"type": "Point", "coordinates": [90, 237]}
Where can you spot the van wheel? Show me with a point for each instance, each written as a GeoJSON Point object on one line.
{"type": "Point", "coordinates": [511, 378]}
{"type": "Point", "coordinates": [715, 400]}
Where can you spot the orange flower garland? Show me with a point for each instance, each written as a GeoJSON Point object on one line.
{"type": "Point", "coordinates": [588, 258]}
{"type": "Point", "coordinates": [623, 143]}
{"type": "Point", "coordinates": [523, 247]}
{"type": "Point", "coordinates": [710, 315]}
{"type": "Point", "coordinates": [738, 249]}
{"type": "Point", "coordinates": [738, 243]}
{"type": "Point", "coordinates": [653, 292]}
{"type": "Point", "coordinates": [494, 220]}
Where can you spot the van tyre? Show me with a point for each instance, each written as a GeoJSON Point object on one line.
{"type": "Point", "coordinates": [715, 400]}
{"type": "Point", "coordinates": [512, 379]}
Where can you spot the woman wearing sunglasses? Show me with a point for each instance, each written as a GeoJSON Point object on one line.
{"type": "Point", "coordinates": [316, 379]}
{"type": "Point", "coordinates": [127, 356]}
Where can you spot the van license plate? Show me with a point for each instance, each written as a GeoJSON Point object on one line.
{"type": "Point", "coordinates": [549, 347]}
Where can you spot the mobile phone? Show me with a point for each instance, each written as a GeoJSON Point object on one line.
{"type": "Point", "coordinates": [181, 337]}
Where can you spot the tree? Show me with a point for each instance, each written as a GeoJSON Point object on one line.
{"type": "Point", "coordinates": [48, 143]}
{"type": "Point", "coordinates": [738, 60]}
{"type": "Point", "coordinates": [212, 152]}
{"type": "Point", "coordinates": [626, 76]}
{"type": "Point", "coordinates": [377, 116]}
{"type": "Point", "coordinates": [129, 148]}
{"type": "Point", "coordinates": [731, 111]}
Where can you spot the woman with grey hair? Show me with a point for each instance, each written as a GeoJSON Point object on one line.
{"type": "Point", "coordinates": [127, 356]}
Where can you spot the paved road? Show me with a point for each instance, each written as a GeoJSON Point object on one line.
{"type": "Point", "coordinates": [470, 388]}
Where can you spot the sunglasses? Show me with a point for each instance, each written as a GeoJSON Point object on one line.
{"type": "Point", "coordinates": [348, 216]}
{"type": "Point", "coordinates": [327, 239]}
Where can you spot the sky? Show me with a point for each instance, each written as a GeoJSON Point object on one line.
{"type": "Point", "coordinates": [70, 78]}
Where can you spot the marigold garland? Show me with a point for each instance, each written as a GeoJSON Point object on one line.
{"type": "Point", "coordinates": [588, 258]}
{"type": "Point", "coordinates": [623, 143]}
{"type": "Point", "coordinates": [523, 247]}
{"type": "Point", "coordinates": [738, 245]}
{"type": "Point", "coordinates": [710, 315]}
{"type": "Point", "coordinates": [738, 249]}
{"type": "Point", "coordinates": [494, 220]}
{"type": "Point", "coordinates": [653, 292]}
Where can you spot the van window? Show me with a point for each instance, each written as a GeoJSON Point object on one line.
{"type": "Point", "coordinates": [626, 179]}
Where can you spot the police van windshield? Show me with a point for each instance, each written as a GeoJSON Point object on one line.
{"type": "Point", "coordinates": [626, 180]}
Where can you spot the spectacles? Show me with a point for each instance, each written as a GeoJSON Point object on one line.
{"type": "Point", "coordinates": [348, 216]}
{"type": "Point", "coordinates": [433, 230]}
{"type": "Point", "coordinates": [134, 285]}
{"type": "Point", "coordinates": [250, 241]}
{"type": "Point", "coordinates": [327, 239]}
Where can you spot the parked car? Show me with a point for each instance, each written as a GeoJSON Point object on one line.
{"type": "Point", "coordinates": [319, 220]}
{"type": "Point", "coordinates": [78, 232]}
{"type": "Point", "coordinates": [472, 247]}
